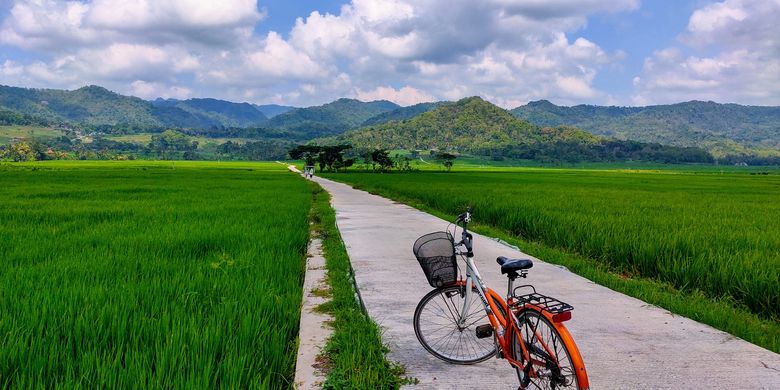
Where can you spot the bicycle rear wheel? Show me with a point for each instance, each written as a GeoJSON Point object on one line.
{"type": "Point", "coordinates": [437, 329]}
{"type": "Point", "coordinates": [550, 354]}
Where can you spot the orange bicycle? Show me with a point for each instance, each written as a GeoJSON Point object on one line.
{"type": "Point", "coordinates": [526, 328]}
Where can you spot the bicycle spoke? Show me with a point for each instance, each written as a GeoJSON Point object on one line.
{"type": "Point", "coordinates": [454, 316]}
{"type": "Point", "coordinates": [549, 356]}
{"type": "Point", "coordinates": [437, 327]}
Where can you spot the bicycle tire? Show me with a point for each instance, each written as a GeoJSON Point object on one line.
{"type": "Point", "coordinates": [448, 341]}
{"type": "Point", "coordinates": [534, 325]}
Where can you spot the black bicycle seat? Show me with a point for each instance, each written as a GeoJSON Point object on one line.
{"type": "Point", "coordinates": [511, 265]}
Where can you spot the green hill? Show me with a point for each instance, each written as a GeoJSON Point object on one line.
{"type": "Point", "coordinates": [470, 124]}
{"type": "Point", "coordinates": [329, 119]}
{"type": "Point", "coordinates": [401, 113]}
{"type": "Point", "coordinates": [203, 113]}
{"type": "Point", "coordinates": [272, 110]}
{"type": "Point", "coordinates": [177, 117]}
{"type": "Point", "coordinates": [110, 112]}
{"type": "Point", "coordinates": [730, 132]}
{"type": "Point", "coordinates": [475, 126]}
{"type": "Point", "coordinates": [90, 105]}
{"type": "Point", "coordinates": [721, 128]}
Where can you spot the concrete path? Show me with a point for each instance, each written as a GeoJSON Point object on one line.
{"type": "Point", "coordinates": [314, 331]}
{"type": "Point", "coordinates": [626, 343]}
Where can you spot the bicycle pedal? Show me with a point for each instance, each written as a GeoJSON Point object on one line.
{"type": "Point", "coordinates": [484, 331]}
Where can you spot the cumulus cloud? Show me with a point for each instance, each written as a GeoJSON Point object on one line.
{"type": "Point", "coordinates": [47, 25]}
{"type": "Point", "coordinates": [152, 90]}
{"type": "Point", "coordinates": [405, 96]}
{"type": "Point", "coordinates": [52, 25]}
{"type": "Point", "coordinates": [544, 9]}
{"type": "Point", "coordinates": [279, 59]}
{"type": "Point", "coordinates": [451, 49]}
{"type": "Point", "coordinates": [731, 53]}
{"type": "Point", "coordinates": [509, 51]}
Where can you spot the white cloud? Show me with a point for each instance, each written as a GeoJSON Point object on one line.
{"type": "Point", "coordinates": [715, 17]}
{"type": "Point", "coordinates": [508, 51]}
{"type": "Point", "coordinates": [452, 49]}
{"type": "Point", "coordinates": [405, 96]}
{"type": "Point", "coordinates": [575, 86]}
{"type": "Point", "coordinates": [279, 59]}
{"type": "Point", "coordinates": [51, 25]}
{"type": "Point", "coordinates": [739, 60]}
{"type": "Point", "coordinates": [144, 14]}
{"type": "Point", "coordinates": [545, 9]}
{"type": "Point", "coordinates": [47, 24]}
{"type": "Point", "coordinates": [153, 90]}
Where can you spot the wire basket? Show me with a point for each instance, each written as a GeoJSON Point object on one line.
{"type": "Point", "coordinates": [436, 254]}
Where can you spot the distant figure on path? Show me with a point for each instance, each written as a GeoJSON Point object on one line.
{"type": "Point", "coordinates": [308, 171]}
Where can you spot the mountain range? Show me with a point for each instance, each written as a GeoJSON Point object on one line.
{"type": "Point", "coordinates": [478, 127]}
{"type": "Point", "coordinates": [719, 128]}
{"type": "Point", "coordinates": [97, 107]}
{"type": "Point", "coordinates": [87, 106]}
{"type": "Point", "coordinates": [329, 119]}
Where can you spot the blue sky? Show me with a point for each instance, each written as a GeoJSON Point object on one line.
{"type": "Point", "coordinates": [655, 25]}
{"type": "Point", "coordinates": [621, 52]}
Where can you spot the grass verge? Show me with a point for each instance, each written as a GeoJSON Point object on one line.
{"type": "Point", "coordinates": [355, 354]}
{"type": "Point", "coordinates": [724, 314]}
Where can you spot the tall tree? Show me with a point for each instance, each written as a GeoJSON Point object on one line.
{"type": "Point", "coordinates": [170, 142]}
{"type": "Point", "coordinates": [382, 159]}
{"type": "Point", "coordinates": [446, 159]}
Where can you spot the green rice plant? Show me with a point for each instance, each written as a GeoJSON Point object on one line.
{"type": "Point", "coordinates": [150, 274]}
{"type": "Point", "coordinates": [714, 233]}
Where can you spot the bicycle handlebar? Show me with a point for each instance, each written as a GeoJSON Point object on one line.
{"type": "Point", "coordinates": [466, 237]}
{"type": "Point", "coordinates": [465, 217]}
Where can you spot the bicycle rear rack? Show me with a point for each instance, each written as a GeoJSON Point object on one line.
{"type": "Point", "coordinates": [544, 302]}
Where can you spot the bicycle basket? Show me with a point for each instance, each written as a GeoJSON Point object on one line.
{"type": "Point", "coordinates": [436, 254]}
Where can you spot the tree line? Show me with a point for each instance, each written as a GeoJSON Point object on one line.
{"type": "Point", "coordinates": [337, 158]}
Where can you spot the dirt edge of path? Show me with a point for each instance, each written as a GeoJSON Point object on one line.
{"type": "Point", "coordinates": [314, 330]}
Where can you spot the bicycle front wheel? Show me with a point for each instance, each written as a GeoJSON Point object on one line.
{"type": "Point", "coordinates": [549, 353]}
{"type": "Point", "coordinates": [436, 326]}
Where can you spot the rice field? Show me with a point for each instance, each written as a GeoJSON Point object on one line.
{"type": "Point", "coordinates": [716, 234]}
{"type": "Point", "coordinates": [145, 138]}
{"type": "Point", "coordinates": [150, 275]}
{"type": "Point", "coordinates": [13, 132]}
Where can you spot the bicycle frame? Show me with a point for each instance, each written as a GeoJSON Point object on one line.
{"type": "Point", "coordinates": [501, 326]}
{"type": "Point", "coordinates": [506, 324]}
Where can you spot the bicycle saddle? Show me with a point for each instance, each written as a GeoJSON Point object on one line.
{"type": "Point", "coordinates": [511, 265]}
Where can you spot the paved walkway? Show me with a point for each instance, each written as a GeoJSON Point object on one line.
{"type": "Point", "coordinates": [626, 343]}
{"type": "Point", "coordinates": [314, 330]}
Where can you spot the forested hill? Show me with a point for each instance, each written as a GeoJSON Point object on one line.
{"type": "Point", "coordinates": [476, 126]}
{"type": "Point", "coordinates": [90, 105]}
{"type": "Point", "coordinates": [98, 108]}
{"type": "Point", "coordinates": [272, 110]}
{"type": "Point", "coordinates": [401, 113]}
{"type": "Point", "coordinates": [722, 128]}
{"type": "Point", "coordinates": [330, 119]}
{"type": "Point", "coordinates": [471, 124]}
{"type": "Point", "coordinates": [468, 124]}
{"type": "Point", "coordinates": [212, 112]}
